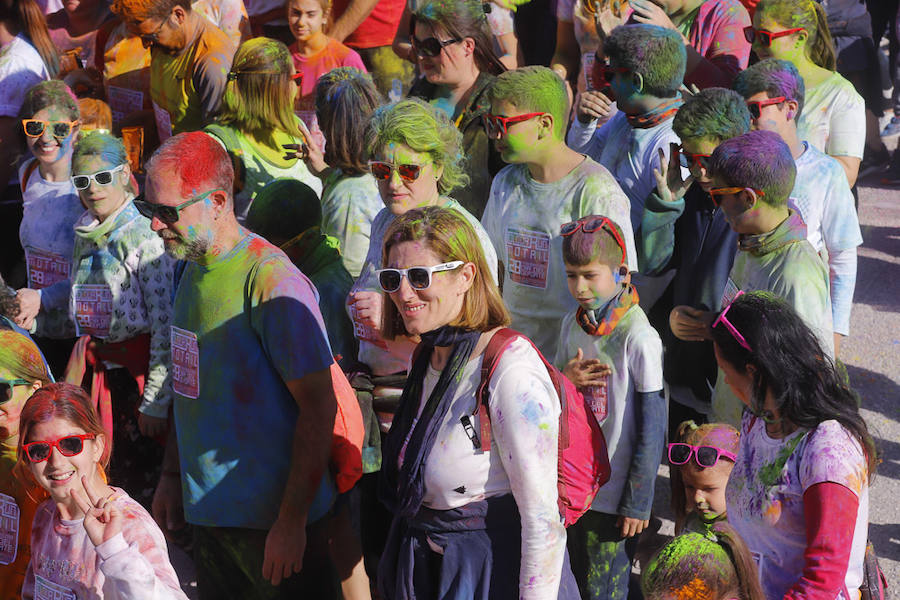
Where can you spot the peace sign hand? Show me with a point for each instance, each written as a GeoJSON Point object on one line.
{"type": "Point", "coordinates": [102, 519]}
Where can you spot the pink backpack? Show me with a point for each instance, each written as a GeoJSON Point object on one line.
{"type": "Point", "coordinates": [583, 462]}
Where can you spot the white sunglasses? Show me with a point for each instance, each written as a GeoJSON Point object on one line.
{"type": "Point", "coordinates": [419, 277]}
{"type": "Point", "coordinates": [105, 177]}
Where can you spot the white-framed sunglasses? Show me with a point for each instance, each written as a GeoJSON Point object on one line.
{"type": "Point", "coordinates": [419, 277]}
{"type": "Point", "coordinates": [104, 177]}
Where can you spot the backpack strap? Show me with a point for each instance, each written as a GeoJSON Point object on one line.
{"type": "Point", "coordinates": [489, 361]}
{"type": "Point", "coordinates": [26, 174]}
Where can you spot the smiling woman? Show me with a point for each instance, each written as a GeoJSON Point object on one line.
{"type": "Point", "coordinates": [111, 542]}
{"type": "Point", "coordinates": [436, 477]}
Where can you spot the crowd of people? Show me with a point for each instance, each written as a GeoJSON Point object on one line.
{"type": "Point", "coordinates": [406, 300]}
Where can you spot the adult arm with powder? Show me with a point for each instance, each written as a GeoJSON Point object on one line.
{"type": "Point", "coordinates": [356, 12]}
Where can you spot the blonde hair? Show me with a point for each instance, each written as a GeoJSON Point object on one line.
{"type": "Point", "coordinates": [448, 235]}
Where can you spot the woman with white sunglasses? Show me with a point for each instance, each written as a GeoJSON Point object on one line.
{"type": "Point", "coordinates": [121, 303]}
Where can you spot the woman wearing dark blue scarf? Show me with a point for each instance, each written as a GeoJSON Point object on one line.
{"type": "Point", "coordinates": [467, 524]}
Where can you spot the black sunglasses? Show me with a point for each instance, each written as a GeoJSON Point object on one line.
{"type": "Point", "coordinates": [432, 46]}
{"type": "Point", "coordinates": [167, 214]}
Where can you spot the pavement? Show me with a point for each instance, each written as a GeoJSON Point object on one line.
{"type": "Point", "coordinates": [872, 357]}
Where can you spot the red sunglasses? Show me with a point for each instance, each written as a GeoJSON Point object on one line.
{"type": "Point", "coordinates": [495, 125]}
{"type": "Point", "coordinates": [592, 224]}
{"type": "Point", "coordinates": [765, 37]}
{"type": "Point", "coordinates": [689, 159]}
{"type": "Point", "coordinates": [755, 106]}
{"type": "Point", "coordinates": [70, 445]}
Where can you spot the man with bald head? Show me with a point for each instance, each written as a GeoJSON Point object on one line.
{"type": "Point", "coordinates": [254, 402]}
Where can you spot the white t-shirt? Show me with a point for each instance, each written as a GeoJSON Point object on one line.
{"type": "Point", "coordinates": [765, 491]}
{"type": "Point", "coordinates": [628, 153]}
{"type": "Point", "coordinates": [523, 217]}
{"type": "Point", "coordinates": [524, 412]}
{"type": "Point", "coordinates": [372, 350]}
{"type": "Point", "coordinates": [21, 67]}
{"type": "Point", "coordinates": [822, 196]}
{"type": "Point", "coordinates": [634, 353]}
{"type": "Point", "coordinates": [834, 118]}
{"type": "Point", "coordinates": [349, 206]}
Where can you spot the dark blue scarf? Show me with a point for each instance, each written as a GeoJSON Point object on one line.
{"type": "Point", "coordinates": [402, 488]}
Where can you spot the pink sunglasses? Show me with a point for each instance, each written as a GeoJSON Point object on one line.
{"type": "Point", "coordinates": [728, 325]}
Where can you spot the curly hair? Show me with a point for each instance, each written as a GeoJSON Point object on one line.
{"type": "Point", "coordinates": [424, 128]}
{"type": "Point", "coordinates": [790, 363]}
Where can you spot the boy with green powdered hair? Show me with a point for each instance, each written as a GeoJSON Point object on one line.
{"type": "Point", "coordinates": [545, 185]}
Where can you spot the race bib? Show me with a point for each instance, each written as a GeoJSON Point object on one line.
{"type": "Point", "coordinates": [93, 309]}
{"type": "Point", "coordinates": [363, 332]}
{"type": "Point", "coordinates": [587, 67]}
{"type": "Point", "coordinates": [123, 102]}
{"type": "Point", "coordinates": [45, 268]}
{"type": "Point", "coordinates": [163, 122]}
{"type": "Point", "coordinates": [9, 529]}
{"type": "Point", "coordinates": [528, 256]}
{"type": "Point", "coordinates": [45, 589]}
{"type": "Point", "coordinates": [731, 290]}
{"type": "Point", "coordinates": [185, 363]}
{"type": "Point", "coordinates": [597, 398]}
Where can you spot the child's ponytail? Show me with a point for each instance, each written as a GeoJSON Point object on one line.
{"type": "Point", "coordinates": [821, 49]}
{"type": "Point", "coordinates": [746, 574]}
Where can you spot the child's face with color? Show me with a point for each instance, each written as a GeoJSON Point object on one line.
{"type": "Point", "coordinates": [704, 146]}
{"type": "Point", "coordinates": [517, 143]}
{"type": "Point", "coordinates": [305, 18]}
{"type": "Point", "coordinates": [60, 474]}
{"type": "Point", "coordinates": [101, 200]}
{"type": "Point", "coordinates": [704, 488]}
{"type": "Point", "coordinates": [789, 47]}
{"type": "Point", "coordinates": [592, 285]}
{"type": "Point", "coordinates": [46, 148]}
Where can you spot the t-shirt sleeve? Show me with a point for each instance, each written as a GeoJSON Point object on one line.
{"type": "Point", "coordinates": [645, 360]}
{"type": "Point", "coordinates": [847, 127]}
{"type": "Point", "coordinates": [210, 79]}
{"type": "Point", "coordinates": [16, 78]}
{"type": "Point", "coordinates": [285, 315]}
{"type": "Point", "coordinates": [833, 455]}
{"type": "Point", "coordinates": [602, 195]}
{"type": "Point", "coordinates": [840, 222]}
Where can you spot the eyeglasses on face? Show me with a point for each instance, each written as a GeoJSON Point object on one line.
{"type": "Point", "coordinates": [729, 326]}
{"type": "Point", "coordinates": [592, 224]}
{"type": "Point", "coordinates": [6, 388]}
{"type": "Point", "coordinates": [167, 214]}
{"type": "Point", "coordinates": [105, 177]}
{"type": "Point", "coordinates": [693, 159]}
{"type": "Point", "coordinates": [153, 36]}
{"type": "Point", "coordinates": [765, 37]}
{"type": "Point", "coordinates": [419, 277]}
{"type": "Point", "coordinates": [714, 193]}
{"type": "Point", "coordinates": [755, 106]}
{"type": "Point", "coordinates": [383, 170]}
{"type": "Point", "coordinates": [495, 125]}
{"type": "Point", "coordinates": [432, 46]}
{"type": "Point", "coordinates": [59, 129]}
{"type": "Point", "coordinates": [704, 456]}
{"type": "Point", "coordinates": [70, 445]}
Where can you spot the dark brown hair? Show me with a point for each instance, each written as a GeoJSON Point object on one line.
{"type": "Point", "coordinates": [345, 99]}
{"type": "Point", "coordinates": [461, 19]}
